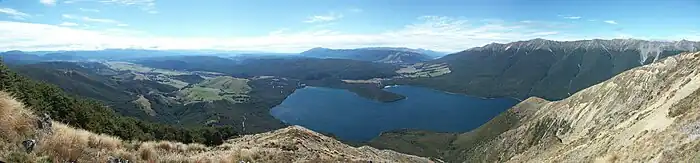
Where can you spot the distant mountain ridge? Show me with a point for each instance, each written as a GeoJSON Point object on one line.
{"type": "Point", "coordinates": [19, 57]}
{"type": "Point", "coordinates": [431, 53]}
{"type": "Point", "coordinates": [23, 57]}
{"type": "Point", "coordinates": [374, 54]}
{"type": "Point", "coordinates": [647, 49]}
{"type": "Point", "coordinates": [382, 55]}
{"type": "Point", "coordinates": [645, 114]}
{"type": "Point", "coordinates": [545, 68]}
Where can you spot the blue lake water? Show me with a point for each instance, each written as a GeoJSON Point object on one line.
{"type": "Point", "coordinates": [354, 118]}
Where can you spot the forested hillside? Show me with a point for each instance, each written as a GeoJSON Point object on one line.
{"type": "Point", "coordinates": [96, 117]}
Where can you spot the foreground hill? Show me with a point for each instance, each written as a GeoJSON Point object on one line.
{"type": "Point", "coordinates": [646, 114]}
{"type": "Point", "coordinates": [383, 55]}
{"type": "Point", "coordinates": [62, 143]}
{"type": "Point", "coordinates": [545, 68]}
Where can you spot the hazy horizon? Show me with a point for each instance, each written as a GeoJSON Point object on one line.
{"type": "Point", "coordinates": [269, 26]}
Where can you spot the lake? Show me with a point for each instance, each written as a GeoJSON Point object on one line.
{"type": "Point", "coordinates": [354, 118]}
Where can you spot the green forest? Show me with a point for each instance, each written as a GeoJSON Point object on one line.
{"type": "Point", "coordinates": [94, 116]}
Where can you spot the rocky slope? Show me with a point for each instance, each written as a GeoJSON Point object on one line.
{"type": "Point", "coordinates": [544, 68]}
{"type": "Point", "coordinates": [27, 138]}
{"type": "Point", "coordinates": [647, 114]}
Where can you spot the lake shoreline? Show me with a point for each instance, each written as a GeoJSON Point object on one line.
{"type": "Point", "coordinates": [354, 118]}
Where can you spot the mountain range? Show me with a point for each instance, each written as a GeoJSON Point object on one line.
{"type": "Point", "coordinates": [428, 52]}
{"type": "Point", "coordinates": [545, 68]}
{"type": "Point", "coordinates": [376, 54]}
{"type": "Point", "coordinates": [646, 114]}
{"type": "Point", "coordinates": [382, 55]}
{"type": "Point", "coordinates": [580, 99]}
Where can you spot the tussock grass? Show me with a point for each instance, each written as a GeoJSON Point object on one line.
{"type": "Point", "coordinates": [15, 121]}
{"type": "Point", "coordinates": [65, 143]}
{"type": "Point", "coordinates": [610, 158]}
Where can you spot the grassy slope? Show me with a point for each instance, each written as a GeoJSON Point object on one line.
{"type": "Point", "coordinates": [262, 95]}
{"type": "Point", "coordinates": [454, 147]}
{"type": "Point", "coordinates": [62, 143]}
{"type": "Point", "coordinates": [219, 88]}
{"type": "Point", "coordinates": [94, 116]}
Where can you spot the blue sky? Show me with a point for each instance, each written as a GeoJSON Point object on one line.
{"type": "Point", "coordinates": [297, 25]}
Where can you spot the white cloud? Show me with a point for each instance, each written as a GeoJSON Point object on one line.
{"type": "Point", "coordinates": [69, 24]}
{"type": "Point", "coordinates": [323, 18]}
{"type": "Point", "coordinates": [278, 32]}
{"type": "Point", "coordinates": [610, 22]}
{"type": "Point", "coordinates": [356, 10]}
{"type": "Point", "coordinates": [69, 16]}
{"type": "Point", "coordinates": [122, 25]}
{"type": "Point", "coordinates": [14, 14]}
{"type": "Point", "coordinates": [429, 32]}
{"type": "Point", "coordinates": [539, 34]}
{"type": "Point", "coordinates": [48, 2]}
{"type": "Point", "coordinates": [88, 10]}
{"type": "Point", "coordinates": [145, 5]}
{"type": "Point", "coordinates": [148, 6]}
{"type": "Point", "coordinates": [96, 20]}
{"type": "Point", "coordinates": [108, 21]}
{"type": "Point", "coordinates": [572, 17]}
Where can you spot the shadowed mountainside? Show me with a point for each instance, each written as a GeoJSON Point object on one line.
{"type": "Point", "coordinates": [545, 68]}
{"type": "Point", "coordinates": [646, 114]}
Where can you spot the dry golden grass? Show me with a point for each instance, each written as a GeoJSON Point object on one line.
{"type": "Point", "coordinates": [15, 121]}
{"type": "Point", "coordinates": [16, 124]}
{"type": "Point", "coordinates": [610, 158]}
{"type": "Point", "coordinates": [65, 143]}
